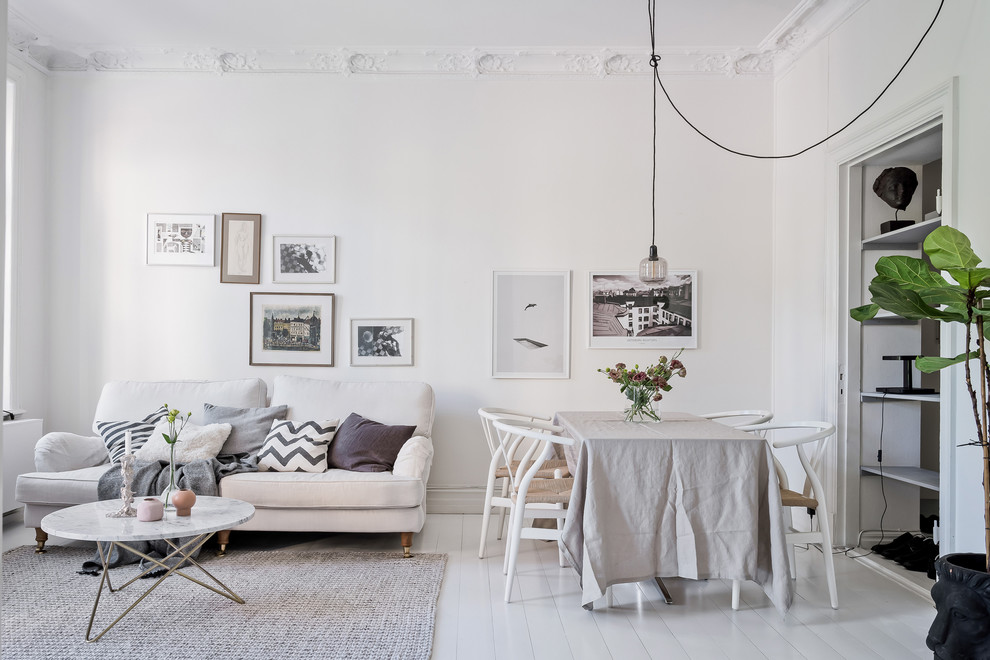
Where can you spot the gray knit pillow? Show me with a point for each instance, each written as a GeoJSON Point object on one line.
{"type": "Point", "coordinates": [248, 426]}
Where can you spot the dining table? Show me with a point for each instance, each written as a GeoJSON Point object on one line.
{"type": "Point", "coordinates": [683, 497]}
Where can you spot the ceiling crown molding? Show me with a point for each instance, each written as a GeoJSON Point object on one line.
{"type": "Point", "coordinates": [802, 28]}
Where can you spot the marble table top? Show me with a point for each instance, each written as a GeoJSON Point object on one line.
{"type": "Point", "coordinates": [89, 522]}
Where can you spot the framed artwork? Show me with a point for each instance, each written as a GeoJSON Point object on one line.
{"type": "Point", "coordinates": [181, 239]}
{"type": "Point", "coordinates": [240, 248]}
{"type": "Point", "coordinates": [531, 314]}
{"type": "Point", "coordinates": [304, 259]}
{"type": "Point", "coordinates": [625, 313]}
{"type": "Point", "coordinates": [381, 342]}
{"type": "Point", "coordinates": [291, 329]}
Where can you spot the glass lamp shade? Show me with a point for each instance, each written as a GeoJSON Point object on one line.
{"type": "Point", "coordinates": [653, 269]}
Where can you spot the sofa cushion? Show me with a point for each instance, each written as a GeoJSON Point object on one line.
{"type": "Point", "coordinates": [60, 488]}
{"type": "Point", "coordinates": [333, 489]}
{"type": "Point", "coordinates": [389, 402]}
{"type": "Point", "coordinates": [293, 446]}
{"type": "Point", "coordinates": [248, 426]}
{"type": "Point", "coordinates": [129, 399]}
{"type": "Point", "coordinates": [195, 443]}
{"type": "Point", "coordinates": [364, 445]}
{"type": "Point", "coordinates": [114, 434]}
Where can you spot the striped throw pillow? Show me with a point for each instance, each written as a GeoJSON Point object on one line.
{"type": "Point", "coordinates": [297, 446]}
{"type": "Point", "coordinates": [113, 433]}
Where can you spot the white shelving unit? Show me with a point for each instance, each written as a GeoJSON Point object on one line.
{"type": "Point", "coordinates": [905, 473]}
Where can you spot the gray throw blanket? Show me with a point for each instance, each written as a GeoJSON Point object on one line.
{"type": "Point", "coordinates": [151, 480]}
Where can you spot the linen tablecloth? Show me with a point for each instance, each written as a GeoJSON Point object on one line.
{"type": "Point", "coordinates": [684, 497]}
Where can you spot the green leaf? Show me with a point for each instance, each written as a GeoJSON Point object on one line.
{"type": "Point", "coordinates": [948, 248]}
{"type": "Point", "coordinates": [970, 278]}
{"type": "Point", "coordinates": [932, 364]}
{"type": "Point", "coordinates": [865, 312]}
{"type": "Point", "coordinates": [910, 272]}
{"type": "Point", "coordinates": [948, 295]}
{"type": "Point", "coordinates": [905, 302]}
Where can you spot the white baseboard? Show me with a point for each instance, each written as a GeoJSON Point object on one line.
{"type": "Point", "coordinates": [454, 499]}
{"type": "Point", "coordinates": [916, 583]}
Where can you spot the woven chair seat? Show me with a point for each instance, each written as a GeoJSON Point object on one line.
{"type": "Point", "coordinates": [790, 498]}
{"type": "Point", "coordinates": [545, 472]}
{"type": "Point", "coordinates": [549, 491]}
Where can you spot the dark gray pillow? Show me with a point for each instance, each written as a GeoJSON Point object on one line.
{"type": "Point", "coordinates": [363, 445]}
{"type": "Point", "coordinates": [248, 426]}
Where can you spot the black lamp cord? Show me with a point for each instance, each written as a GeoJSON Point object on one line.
{"type": "Point", "coordinates": [883, 494]}
{"type": "Point", "coordinates": [654, 60]}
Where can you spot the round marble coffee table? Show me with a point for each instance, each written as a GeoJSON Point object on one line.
{"type": "Point", "coordinates": [89, 522]}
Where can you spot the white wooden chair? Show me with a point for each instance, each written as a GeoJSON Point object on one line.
{"type": "Point", "coordinates": [736, 418]}
{"type": "Point", "coordinates": [812, 496]}
{"type": "Point", "coordinates": [529, 496]}
{"type": "Point", "coordinates": [503, 464]}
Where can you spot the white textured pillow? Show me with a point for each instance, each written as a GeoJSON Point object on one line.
{"type": "Point", "coordinates": [293, 446]}
{"type": "Point", "coordinates": [195, 443]}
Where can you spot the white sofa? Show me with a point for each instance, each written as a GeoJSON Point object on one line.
{"type": "Point", "coordinates": [69, 466]}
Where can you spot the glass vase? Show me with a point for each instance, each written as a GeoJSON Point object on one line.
{"type": "Point", "coordinates": [642, 407]}
{"type": "Point", "coordinates": [172, 487]}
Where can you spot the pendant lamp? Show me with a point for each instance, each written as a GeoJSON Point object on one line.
{"type": "Point", "coordinates": [653, 269]}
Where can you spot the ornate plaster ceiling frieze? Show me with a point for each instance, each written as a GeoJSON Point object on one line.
{"type": "Point", "coordinates": [803, 27]}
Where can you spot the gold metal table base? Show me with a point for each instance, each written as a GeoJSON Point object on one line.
{"type": "Point", "coordinates": [183, 552]}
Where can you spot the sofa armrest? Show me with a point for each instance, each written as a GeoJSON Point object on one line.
{"type": "Point", "coordinates": [414, 458]}
{"type": "Point", "coordinates": [58, 452]}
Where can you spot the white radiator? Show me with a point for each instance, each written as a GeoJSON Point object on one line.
{"type": "Point", "coordinates": [19, 438]}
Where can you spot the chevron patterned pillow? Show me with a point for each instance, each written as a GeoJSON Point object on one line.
{"type": "Point", "coordinates": [293, 446]}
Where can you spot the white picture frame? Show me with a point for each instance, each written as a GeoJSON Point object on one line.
{"type": "Point", "coordinates": [531, 324]}
{"type": "Point", "coordinates": [291, 329]}
{"type": "Point", "coordinates": [667, 319]}
{"type": "Point", "coordinates": [304, 259]}
{"type": "Point", "coordinates": [180, 239]}
{"type": "Point", "coordinates": [382, 342]}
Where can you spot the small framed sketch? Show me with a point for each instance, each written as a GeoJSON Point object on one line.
{"type": "Point", "coordinates": [304, 259]}
{"type": "Point", "coordinates": [381, 342]}
{"type": "Point", "coordinates": [240, 248]}
{"type": "Point", "coordinates": [181, 239]}
{"type": "Point", "coordinates": [625, 313]}
{"type": "Point", "coordinates": [291, 329]}
{"type": "Point", "coordinates": [531, 316]}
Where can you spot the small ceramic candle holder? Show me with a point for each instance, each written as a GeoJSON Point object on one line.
{"type": "Point", "coordinates": [150, 509]}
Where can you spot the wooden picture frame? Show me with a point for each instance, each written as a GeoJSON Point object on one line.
{"type": "Point", "coordinates": [531, 324]}
{"type": "Point", "coordinates": [181, 239]}
{"type": "Point", "coordinates": [291, 329]}
{"type": "Point", "coordinates": [625, 313]}
{"type": "Point", "coordinates": [240, 248]}
{"type": "Point", "coordinates": [300, 259]}
{"type": "Point", "coordinates": [381, 342]}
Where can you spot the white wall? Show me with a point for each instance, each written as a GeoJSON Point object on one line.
{"type": "Point", "coordinates": [826, 88]}
{"type": "Point", "coordinates": [429, 184]}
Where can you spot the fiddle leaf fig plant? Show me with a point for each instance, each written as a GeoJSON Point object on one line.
{"type": "Point", "coordinates": [907, 287]}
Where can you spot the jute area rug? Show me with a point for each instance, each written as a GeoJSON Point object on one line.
{"type": "Point", "coordinates": [297, 605]}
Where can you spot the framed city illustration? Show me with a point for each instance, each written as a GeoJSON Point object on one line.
{"type": "Point", "coordinates": [531, 324]}
{"type": "Point", "coordinates": [292, 329]}
{"type": "Point", "coordinates": [381, 342]}
{"type": "Point", "coordinates": [181, 239]}
{"type": "Point", "coordinates": [304, 259]}
{"type": "Point", "coordinates": [625, 313]}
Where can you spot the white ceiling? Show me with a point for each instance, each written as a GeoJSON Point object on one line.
{"type": "Point", "coordinates": [61, 31]}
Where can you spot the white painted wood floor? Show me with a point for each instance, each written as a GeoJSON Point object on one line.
{"type": "Point", "coordinates": [876, 618]}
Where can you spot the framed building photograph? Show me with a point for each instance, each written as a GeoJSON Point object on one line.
{"type": "Point", "coordinates": [531, 321]}
{"type": "Point", "coordinates": [240, 248]}
{"type": "Point", "coordinates": [381, 342]}
{"type": "Point", "coordinates": [181, 239]}
{"type": "Point", "coordinates": [625, 313]}
{"type": "Point", "coordinates": [304, 259]}
{"type": "Point", "coordinates": [291, 329]}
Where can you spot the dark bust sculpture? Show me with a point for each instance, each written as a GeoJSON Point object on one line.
{"type": "Point", "coordinates": [962, 625]}
{"type": "Point", "coordinates": [896, 186]}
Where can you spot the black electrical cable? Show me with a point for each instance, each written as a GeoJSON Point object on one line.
{"type": "Point", "coordinates": [654, 60]}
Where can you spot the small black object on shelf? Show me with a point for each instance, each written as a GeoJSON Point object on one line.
{"type": "Point", "coordinates": [908, 387]}
{"type": "Point", "coordinates": [891, 225]}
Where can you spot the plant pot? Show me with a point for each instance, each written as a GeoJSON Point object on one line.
{"type": "Point", "coordinates": [183, 501]}
{"type": "Point", "coordinates": [961, 629]}
{"type": "Point", "coordinates": [150, 509]}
